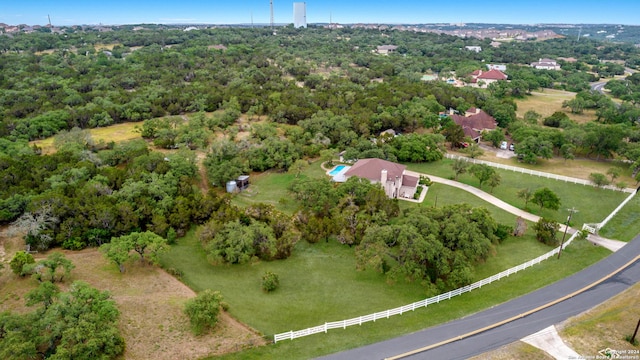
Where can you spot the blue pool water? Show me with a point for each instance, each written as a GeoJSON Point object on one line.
{"type": "Point", "coordinates": [336, 170]}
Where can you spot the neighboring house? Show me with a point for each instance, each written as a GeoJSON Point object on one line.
{"type": "Point", "coordinates": [388, 132]}
{"type": "Point", "coordinates": [474, 122]}
{"type": "Point", "coordinates": [474, 48]}
{"type": "Point", "coordinates": [386, 49]}
{"type": "Point", "coordinates": [395, 182]}
{"type": "Point", "coordinates": [484, 78]}
{"type": "Point", "coordinates": [546, 64]}
{"type": "Point", "coordinates": [500, 67]}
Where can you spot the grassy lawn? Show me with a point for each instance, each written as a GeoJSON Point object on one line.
{"type": "Point", "coordinates": [626, 224]}
{"type": "Point", "coordinates": [578, 168]}
{"type": "Point", "coordinates": [549, 101]}
{"type": "Point", "coordinates": [318, 283]}
{"type": "Point", "coordinates": [271, 188]}
{"type": "Point", "coordinates": [581, 197]}
{"type": "Point", "coordinates": [579, 255]}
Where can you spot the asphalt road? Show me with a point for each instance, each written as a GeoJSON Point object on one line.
{"type": "Point", "coordinates": [598, 86]}
{"type": "Point", "coordinates": [519, 328]}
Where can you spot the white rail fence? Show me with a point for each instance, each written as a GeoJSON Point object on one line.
{"type": "Point", "coordinates": [606, 220]}
{"type": "Point", "coordinates": [290, 335]}
{"type": "Point", "coordinates": [536, 173]}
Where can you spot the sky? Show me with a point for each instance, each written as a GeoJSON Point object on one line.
{"type": "Point", "coordinates": [118, 12]}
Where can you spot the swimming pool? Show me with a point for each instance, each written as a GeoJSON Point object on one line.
{"type": "Point", "coordinates": [337, 170]}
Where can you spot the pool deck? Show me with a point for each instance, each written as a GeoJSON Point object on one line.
{"type": "Point", "coordinates": [338, 176]}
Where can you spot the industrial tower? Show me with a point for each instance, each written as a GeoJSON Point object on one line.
{"type": "Point", "coordinates": [299, 15]}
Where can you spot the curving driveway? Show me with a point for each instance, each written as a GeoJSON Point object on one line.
{"type": "Point", "coordinates": [517, 318]}
{"type": "Point", "coordinates": [486, 197]}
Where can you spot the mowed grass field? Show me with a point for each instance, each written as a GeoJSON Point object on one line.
{"type": "Point", "coordinates": [575, 257]}
{"type": "Point", "coordinates": [549, 101]}
{"type": "Point", "coordinates": [320, 283]}
{"type": "Point", "coordinates": [583, 198]}
{"type": "Point", "coordinates": [626, 224]}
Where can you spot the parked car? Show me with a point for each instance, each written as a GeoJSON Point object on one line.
{"type": "Point", "coordinates": [512, 147]}
{"type": "Point", "coordinates": [503, 145]}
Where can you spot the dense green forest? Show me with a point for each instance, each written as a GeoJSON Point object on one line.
{"type": "Point", "coordinates": [321, 91]}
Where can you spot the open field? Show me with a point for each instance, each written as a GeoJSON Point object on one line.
{"type": "Point", "coordinates": [577, 256]}
{"type": "Point", "coordinates": [605, 325]}
{"type": "Point", "coordinates": [115, 133]}
{"type": "Point", "coordinates": [549, 101]}
{"type": "Point", "coordinates": [150, 303]}
{"type": "Point", "coordinates": [578, 168]}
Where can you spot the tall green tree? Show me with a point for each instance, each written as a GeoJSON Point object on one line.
{"type": "Point", "coordinates": [482, 172]}
{"type": "Point", "coordinates": [545, 198]}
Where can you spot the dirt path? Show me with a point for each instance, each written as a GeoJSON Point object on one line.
{"type": "Point", "coordinates": [204, 180]}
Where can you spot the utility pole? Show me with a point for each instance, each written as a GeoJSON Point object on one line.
{"type": "Point", "coordinates": [633, 338]}
{"type": "Point", "coordinates": [566, 227]}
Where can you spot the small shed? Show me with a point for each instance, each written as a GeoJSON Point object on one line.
{"type": "Point", "coordinates": [242, 182]}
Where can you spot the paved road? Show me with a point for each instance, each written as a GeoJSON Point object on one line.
{"type": "Point", "coordinates": [517, 329]}
{"type": "Point", "coordinates": [598, 86]}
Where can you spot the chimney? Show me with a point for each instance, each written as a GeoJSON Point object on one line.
{"type": "Point", "coordinates": [383, 177]}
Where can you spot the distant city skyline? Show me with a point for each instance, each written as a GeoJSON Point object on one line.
{"type": "Point", "coordinates": [118, 12]}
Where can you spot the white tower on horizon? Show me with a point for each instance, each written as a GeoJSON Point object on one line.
{"type": "Point", "coordinates": [299, 15]}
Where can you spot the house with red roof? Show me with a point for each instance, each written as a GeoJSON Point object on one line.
{"type": "Point", "coordinates": [482, 78]}
{"type": "Point", "coordinates": [392, 176]}
{"type": "Point", "coordinates": [474, 122]}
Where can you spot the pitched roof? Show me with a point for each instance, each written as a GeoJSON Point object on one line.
{"type": "Point", "coordinates": [493, 74]}
{"type": "Point", "coordinates": [411, 181]}
{"type": "Point", "coordinates": [480, 121]}
{"type": "Point", "coordinates": [470, 133]}
{"type": "Point", "coordinates": [371, 168]}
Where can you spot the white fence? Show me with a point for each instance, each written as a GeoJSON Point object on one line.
{"type": "Point", "coordinates": [536, 173]}
{"type": "Point", "coordinates": [606, 220]}
{"type": "Point", "coordinates": [416, 305]}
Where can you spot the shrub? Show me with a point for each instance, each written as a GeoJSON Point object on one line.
{"type": "Point", "coordinates": [546, 231]}
{"type": "Point", "coordinates": [18, 262]}
{"type": "Point", "coordinates": [503, 231]}
{"type": "Point", "coordinates": [425, 180]}
{"type": "Point", "coordinates": [203, 311]}
{"type": "Point", "coordinates": [270, 281]}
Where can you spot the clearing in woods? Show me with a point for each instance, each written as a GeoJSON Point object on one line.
{"type": "Point", "coordinates": [549, 101]}
{"type": "Point", "coordinates": [151, 303]}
